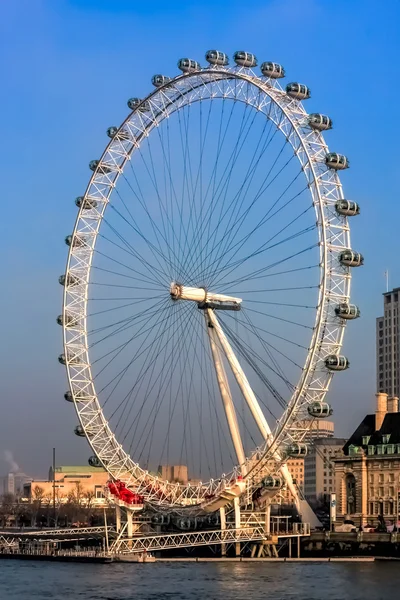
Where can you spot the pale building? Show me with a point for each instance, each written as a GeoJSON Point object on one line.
{"type": "Point", "coordinates": [367, 472]}
{"type": "Point", "coordinates": [387, 346]}
{"type": "Point", "coordinates": [174, 473]}
{"type": "Point", "coordinates": [296, 468]}
{"type": "Point", "coordinates": [91, 482]}
{"type": "Point", "coordinates": [8, 484]}
{"type": "Point", "coordinates": [320, 428]}
{"type": "Point", "coordinates": [319, 468]}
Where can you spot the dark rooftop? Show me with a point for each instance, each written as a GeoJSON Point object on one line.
{"type": "Point", "coordinates": [391, 424]}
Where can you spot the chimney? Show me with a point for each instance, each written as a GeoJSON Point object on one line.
{"type": "Point", "coordinates": [381, 409]}
{"type": "Point", "coordinates": [393, 405]}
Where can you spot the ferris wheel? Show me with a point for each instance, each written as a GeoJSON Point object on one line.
{"type": "Point", "coordinates": [207, 285]}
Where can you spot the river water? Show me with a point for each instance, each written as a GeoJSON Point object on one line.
{"type": "Point", "coordinates": [206, 581]}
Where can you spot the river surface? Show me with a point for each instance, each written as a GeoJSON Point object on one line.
{"type": "Point", "coordinates": [199, 581]}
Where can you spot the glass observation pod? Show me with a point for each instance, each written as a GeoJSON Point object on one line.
{"type": "Point", "coordinates": [74, 360]}
{"type": "Point", "coordinates": [100, 167]}
{"type": "Point", "coordinates": [347, 208]}
{"type": "Point", "coordinates": [85, 203]}
{"type": "Point", "coordinates": [69, 281]}
{"type": "Point", "coordinates": [79, 397]}
{"type": "Point", "coordinates": [121, 134]}
{"type": "Point", "coordinates": [187, 65]}
{"type": "Point", "coordinates": [347, 311]}
{"type": "Point", "coordinates": [319, 410]}
{"type": "Point", "coordinates": [337, 161]}
{"type": "Point", "coordinates": [245, 59]}
{"type": "Point", "coordinates": [272, 70]}
{"type": "Point", "coordinates": [349, 258]}
{"type": "Point", "coordinates": [160, 80]}
{"type": "Point", "coordinates": [272, 482]}
{"type": "Point", "coordinates": [67, 320]}
{"type": "Point", "coordinates": [214, 57]}
{"type": "Point", "coordinates": [297, 449]}
{"type": "Point", "coordinates": [94, 461]}
{"type": "Point", "coordinates": [138, 104]}
{"type": "Point", "coordinates": [77, 241]}
{"type": "Point", "coordinates": [299, 91]}
{"type": "Point", "coordinates": [319, 122]}
{"type": "Point", "coordinates": [337, 362]}
{"type": "Point", "coordinates": [79, 431]}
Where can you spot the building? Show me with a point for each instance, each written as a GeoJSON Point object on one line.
{"type": "Point", "coordinates": [13, 483]}
{"type": "Point", "coordinates": [320, 428]}
{"type": "Point", "coordinates": [87, 482]}
{"type": "Point", "coordinates": [319, 469]}
{"type": "Point", "coordinates": [387, 346]}
{"type": "Point", "coordinates": [296, 468]}
{"type": "Point", "coordinates": [174, 473]}
{"type": "Point", "coordinates": [367, 472]}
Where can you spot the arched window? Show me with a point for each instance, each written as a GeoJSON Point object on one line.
{"type": "Point", "coordinates": [351, 504]}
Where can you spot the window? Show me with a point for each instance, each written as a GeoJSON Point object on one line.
{"type": "Point", "coordinates": [379, 449]}
{"type": "Point", "coordinates": [98, 490]}
{"type": "Point", "coordinates": [381, 477]}
{"type": "Point", "coordinates": [386, 438]}
{"type": "Point", "coordinates": [391, 477]}
{"type": "Point", "coordinates": [366, 439]}
{"type": "Point", "coordinates": [371, 478]}
{"type": "Point", "coordinates": [391, 491]}
{"type": "Point", "coordinates": [381, 492]}
{"type": "Point", "coordinates": [390, 449]}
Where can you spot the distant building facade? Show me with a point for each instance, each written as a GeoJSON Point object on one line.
{"type": "Point", "coordinates": [367, 472]}
{"type": "Point", "coordinates": [13, 483]}
{"type": "Point", "coordinates": [319, 468]}
{"type": "Point", "coordinates": [388, 345]}
{"type": "Point", "coordinates": [91, 482]}
{"type": "Point", "coordinates": [296, 469]}
{"type": "Point", "coordinates": [174, 473]}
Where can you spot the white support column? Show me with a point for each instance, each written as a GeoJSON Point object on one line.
{"type": "Point", "coordinates": [118, 518]}
{"type": "Point", "coordinates": [250, 398]}
{"type": "Point", "coordinates": [236, 506]}
{"type": "Point", "coordinates": [226, 396]}
{"type": "Point", "coordinates": [129, 519]}
{"type": "Point", "coordinates": [222, 515]}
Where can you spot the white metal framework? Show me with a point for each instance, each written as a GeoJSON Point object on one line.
{"type": "Point", "coordinates": [262, 97]}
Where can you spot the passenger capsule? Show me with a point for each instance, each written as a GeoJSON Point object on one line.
{"type": "Point", "coordinates": [347, 311]}
{"type": "Point", "coordinates": [245, 59]}
{"type": "Point", "coordinates": [119, 134]}
{"type": "Point", "coordinates": [94, 462]}
{"type": "Point", "coordinates": [85, 203]}
{"type": "Point", "coordinates": [337, 161]}
{"type": "Point", "coordinates": [75, 241]}
{"type": "Point", "coordinates": [69, 281]}
{"type": "Point", "coordinates": [187, 65]}
{"type": "Point", "coordinates": [337, 362]}
{"type": "Point", "coordinates": [102, 168]}
{"type": "Point", "coordinates": [73, 359]}
{"type": "Point", "coordinates": [67, 320]}
{"type": "Point", "coordinates": [297, 449]}
{"type": "Point", "coordinates": [349, 258]}
{"type": "Point", "coordinates": [160, 80]}
{"type": "Point", "coordinates": [68, 396]}
{"type": "Point", "coordinates": [319, 410]}
{"type": "Point", "coordinates": [347, 208]}
{"type": "Point", "coordinates": [214, 57]}
{"type": "Point", "coordinates": [319, 122]}
{"type": "Point", "coordinates": [79, 431]}
{"type": "Point", "coordinates": [272, 70]}
{"type": "Point", "coordinates": [299, 91]}
{"type": "Point", "coordinates": [272, 482]}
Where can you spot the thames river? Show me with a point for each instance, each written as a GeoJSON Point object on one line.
{"type": "Point", "coordinates": [199, 581]}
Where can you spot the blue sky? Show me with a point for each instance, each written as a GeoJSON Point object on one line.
{"type": "Point", "coordinates": [68, 68]}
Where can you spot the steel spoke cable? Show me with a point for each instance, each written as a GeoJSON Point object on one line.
{"type": "Point", "coordinates": [230, 228]}
{"type": "Point", "coordinates": [138, 416]}
{"type": "Point", "coordinates": [224, 183]}
{"type": "Point", "coordinates": [149, 277]}
{"type": "Point", "coordinates": [161, 272]}
{"type": "Point", "coordinates": [226, 178]}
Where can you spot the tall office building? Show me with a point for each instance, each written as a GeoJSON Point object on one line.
{"type": "Point", "coordinates": [387, 346]}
